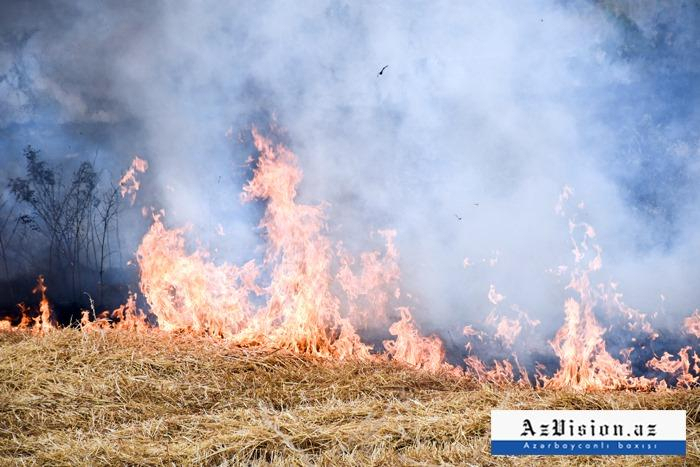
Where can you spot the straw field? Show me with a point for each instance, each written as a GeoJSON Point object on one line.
{"type": "Point", "coordinates": [117, 397]}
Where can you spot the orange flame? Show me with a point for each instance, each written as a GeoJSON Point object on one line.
{"type": "Point", "coordinates": [585, 364]}
{"type": "Point", "coordinates": [188, 292]}
{"type": "Point", "coordinates": [678, 368]}
{"type": "Point", "coordinates": [44, 321]}
{"type": "Point", "coordinates": [692, 324]}
{"type": "Point", "coordinates": [301, 312]}
{"type": "Point", "coordinates": [368, 293]}
{"type": "Point", "coordinates": [507, 330]}
{"type": "Point", "coordinates": [412, 348]}
{"type": "Point", "coordinates": [126, 317]}
{"type": "Point", "coordinates": [316, 296]}
{"type": "Point", "coordinates": [129, 184]}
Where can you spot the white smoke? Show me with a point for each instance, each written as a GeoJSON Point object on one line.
{"type": "Point", "coordinates": [485, 111]}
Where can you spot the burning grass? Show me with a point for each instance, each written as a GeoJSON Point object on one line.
{"type": "Point", "coordinates": [120, 397]}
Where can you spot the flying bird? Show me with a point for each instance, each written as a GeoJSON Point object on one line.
{"type": "Point", "coordinates": [458, 218]}
{"type": "Point", "coordinates": [476, 204]}
{"type": "Point", "coordinates": [381, 72]}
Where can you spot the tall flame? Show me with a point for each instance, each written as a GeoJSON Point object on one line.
{"type": "Point", "coordinates": [584, 361]}
{"type": "Point", "coordinates": [44, 321]}
{"type": "Point", "coordinates": [301, 312]}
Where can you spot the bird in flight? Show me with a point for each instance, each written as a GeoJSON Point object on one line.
{"type": "Point", "coordinates": [381, 72]}
{"type": "Point", "coordinates": [458, 218]}
{"type": "Point", "coordinates": [476, 204]}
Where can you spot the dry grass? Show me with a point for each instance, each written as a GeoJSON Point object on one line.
{"type": "Point", "coordinates": [109, 398]}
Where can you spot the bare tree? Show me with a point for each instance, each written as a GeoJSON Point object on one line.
{"type": "Point", "coordinates": [75, 219]}
{"type": "Point", "coordinates": [39, 191]}
{"type": "Point", "coordinates": [7, 210]}
{"type": "Point", "coordinates": [107, 215]}
{"type": "Point", "coordinates": [59, 210]}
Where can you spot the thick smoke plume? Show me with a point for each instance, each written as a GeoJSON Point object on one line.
{"type": "Point", "coordinates": [463, 144]}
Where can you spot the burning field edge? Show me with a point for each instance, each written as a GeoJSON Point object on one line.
{"type": "Point", "coordinates": [152, 398]}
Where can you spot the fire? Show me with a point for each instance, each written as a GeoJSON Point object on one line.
{"type": "Point", "coordinates": [44, 322]}
{"type": "Point", "coordinates": [187, 291]}
{"type": "Point", "coordinates": [636, 321]}
{"type": "Point", "coordinates": [127, 317]}
{"type": "Point", "coordinates": [301, 311]}
{"type": "Point", "coordinates": [679, 369]}
{"type": "Point", "coordinates": [129, 184]}
{"type": "Point", "coordinates": [412, 348]}
{"type": "Point", "coordinates": [508, 329]}
{"type": "Point", "coordinates": [493, 296]}
{"type": "Point", "coordinates": [501, 374]}
{"type": "Point", "coordinates": [585, 363]}
{"type": "Point", "coordinates": [368, 293]}
{"type": "Point", "coordinates": [313, 297]}
{"type": "Point", "coordinates": [692, 324]}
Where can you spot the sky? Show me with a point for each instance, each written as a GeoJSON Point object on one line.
{"type": "Point", "coordinates": [499, 104]}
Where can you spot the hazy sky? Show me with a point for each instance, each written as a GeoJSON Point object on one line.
{"type": "Point", "coordinates": [496, 103]}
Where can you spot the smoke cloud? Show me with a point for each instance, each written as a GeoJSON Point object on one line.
{"type": "Point", "coordinates": [463, 144]}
